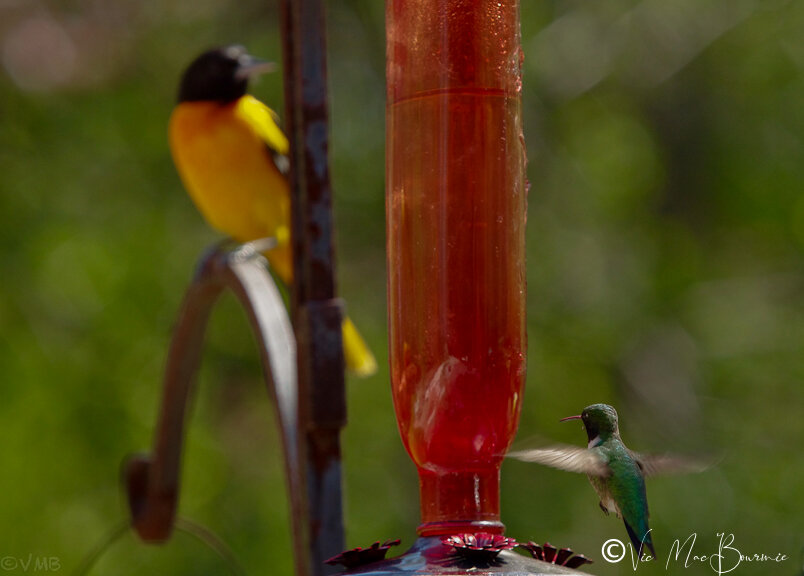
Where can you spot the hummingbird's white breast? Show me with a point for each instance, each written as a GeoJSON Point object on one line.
{"type": "Point", "coordinates": [607, 502]}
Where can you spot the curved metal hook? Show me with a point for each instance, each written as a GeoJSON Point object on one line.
{"type": "Point", "coordinates": [152, 481]}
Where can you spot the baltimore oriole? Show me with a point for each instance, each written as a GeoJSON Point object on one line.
{"type": "Point", "coordinates": [231, 156]}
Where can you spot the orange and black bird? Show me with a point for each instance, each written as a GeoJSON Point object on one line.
{"type": "Point", "coordinates": [232, 158]}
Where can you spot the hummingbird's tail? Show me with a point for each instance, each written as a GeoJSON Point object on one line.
{"type": "Point", "coordinates": [642, 545]}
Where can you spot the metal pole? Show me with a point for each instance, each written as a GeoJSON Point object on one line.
{"type": "Point", "coordinates": [317, 313]}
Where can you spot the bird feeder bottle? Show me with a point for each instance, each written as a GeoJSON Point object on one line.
{"type": "Point", "coordinates": [455, 205]}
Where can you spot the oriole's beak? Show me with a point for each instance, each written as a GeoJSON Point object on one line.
{"type": "Point", "coordinates": [249, 66]}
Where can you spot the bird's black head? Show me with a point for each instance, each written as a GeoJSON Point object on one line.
{"type": "Point", "coordinates": [220, 75]}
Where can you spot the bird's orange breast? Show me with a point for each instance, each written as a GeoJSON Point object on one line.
{"type": "Point", "coordinates": [228, 170]}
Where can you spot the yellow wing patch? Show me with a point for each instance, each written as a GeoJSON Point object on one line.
{"type": "Point", "coordinates": [263, 121]}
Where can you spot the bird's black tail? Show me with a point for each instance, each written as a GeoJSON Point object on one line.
{"type": "Point", "coordinates": [641, 545]}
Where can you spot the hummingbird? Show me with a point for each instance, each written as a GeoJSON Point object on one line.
{"type": "Point", "coordinates": [616, 473]}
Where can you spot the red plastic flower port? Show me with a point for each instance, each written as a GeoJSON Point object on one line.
{"type": "Point", "coordinates": [553, 555]}
{"type": "Point", "coordinates": [359, 556]}
{"type": "Point", "coordinates": [482, 544]}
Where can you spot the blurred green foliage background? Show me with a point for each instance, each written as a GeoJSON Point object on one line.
{"type": "Point", "coordinates": [665, 276]}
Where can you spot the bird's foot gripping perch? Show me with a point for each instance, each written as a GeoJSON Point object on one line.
{"type": "Point", "coordinates": [254, 249]}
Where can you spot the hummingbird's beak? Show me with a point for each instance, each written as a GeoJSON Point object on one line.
{"type": "Point", "coordinates": [249, 66]}
{"type": "Point", "coordinates": [578, 417]}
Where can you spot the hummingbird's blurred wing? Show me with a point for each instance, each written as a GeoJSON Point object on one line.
{"type": "Point", "coordinates": [652, 464]}
{"type": "Point", "coordinates": [563, 457]}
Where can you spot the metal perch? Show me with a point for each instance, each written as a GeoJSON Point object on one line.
{"type": "Point", "coordinates": [153, 481]}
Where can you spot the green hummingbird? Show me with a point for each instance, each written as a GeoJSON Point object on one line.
{"type": "Point", "coordinates": [616, 473]}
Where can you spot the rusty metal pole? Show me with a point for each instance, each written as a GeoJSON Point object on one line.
{"type": "Point", "coordinates": [317, 313]}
